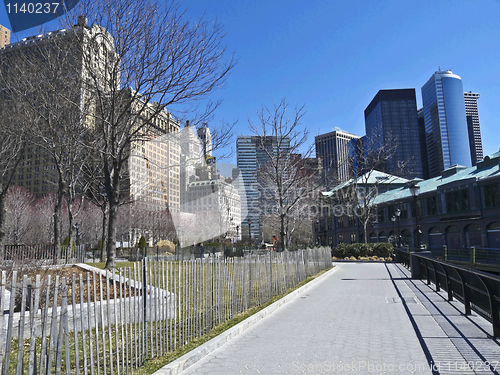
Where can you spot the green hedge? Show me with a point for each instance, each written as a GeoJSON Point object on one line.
{"type": "Point", "coordinates": [356, 250]}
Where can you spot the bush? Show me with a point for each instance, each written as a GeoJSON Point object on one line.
{"type": "Point", "coordinates": [142, 242]}
{"type": "Point", "coordinates": [383, 250]}
{"type": "Point", "coordinates": [341, 250]}
{"type": "Point", "coordinates": [356, 250]}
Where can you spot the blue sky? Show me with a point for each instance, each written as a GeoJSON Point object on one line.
{"type": "Point", "coordinates": [333, 56]}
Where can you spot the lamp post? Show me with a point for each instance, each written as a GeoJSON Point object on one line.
{"type": "Point", "coordinates": [415, 190]}
{"type": "Point", "coordinates": [318, 239]}
{"type": "Point", "coordinates": [393, 219]}
{"type": "Point", "coordinates": [398, 214]}
{"type": "Point", "coordinates": [237, 231]}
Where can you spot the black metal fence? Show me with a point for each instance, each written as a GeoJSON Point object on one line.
{"type": "Point", "coordinates": [478, 291]}
{"type": "Point", "coordinates": [472, 255]}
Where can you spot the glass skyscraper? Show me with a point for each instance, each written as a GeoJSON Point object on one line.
{"type": "Point", "coordinates": [252, 153]}
{"type": "Point", "coordinates": [391, 124]}
{"type": "Point", "coordinates": [445, 122]}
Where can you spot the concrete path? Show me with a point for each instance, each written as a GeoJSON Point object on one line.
{"type": "Point", "coordinates": [365, 318]}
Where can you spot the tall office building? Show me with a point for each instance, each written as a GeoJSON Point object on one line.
{"type": "Point", "coordinates": [38, 171]}
{"type": "Point", "coordinates": [473, 128]}
{"type": "Point", "coordinates": [151, 175]}
{"type": "Point", "coordinates": [445, 122]}
{"type": "Point", "coordinates": [423, 144]}
{"type": "Point", "coordinates": [252, 153]}
{"type": "Point", "coordinates": [4, 36]}
{"type": "Point", "coordinates": [191, 158]}
{"type": "Point", "coordinates": [391, 124]}
{"type": "Point", "coordinates": [332, 148]}
{"type": "Point", "coordinates": [206, 140]}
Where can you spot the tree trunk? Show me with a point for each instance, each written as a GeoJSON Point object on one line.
{"type": "Point", "coordinates": [111, 244]}
{"type": "Point", "coordinates": [104, 235]}
{"type": "Point", "coordinates": [2, 224]}
{"type": "Point", "coordinates": [114, 201]}
{"type": "Point", "coordinates": [57, 220]}
{"type": "Point", "coordinates": [72, 229]}
{"type": "Point", "coordinates": [282, 232]}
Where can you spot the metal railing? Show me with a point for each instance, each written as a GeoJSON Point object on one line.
{"type": "Point", "coordinates": [478, 291]}
{"type": "Point", "coordinates": [471, 255]}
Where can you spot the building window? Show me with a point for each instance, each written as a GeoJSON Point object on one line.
{"type": "Point", "coordinates": [457, 201]}
{"type": "Point", "coordinates": [380, 215]}
{"type": "Point", "coordinates": [340, 222]}
{"type": "Point", "coordinates": [353, 237]}
{"type": "Point", "coordinates": [352, 221]}
{"type": "Point", "coordinates": [404, 211]}
{"type": "Point", "coordinates": [419, 208]}
{"type": "Point", "coordinates": [341, 238]}
{"type": "Point", "coordinates": [491, 197]}
{"type": "Point", "coordinates": [432, 206]}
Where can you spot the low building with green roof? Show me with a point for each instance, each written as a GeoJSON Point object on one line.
{"type": "Point", "coordinates": [459, 209]}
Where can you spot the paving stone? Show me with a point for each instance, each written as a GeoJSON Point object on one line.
{"type": "Point", "coordinates": [365, 318]}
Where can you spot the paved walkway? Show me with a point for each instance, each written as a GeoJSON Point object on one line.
{"type": "Point", "coordinates": [363, 318]}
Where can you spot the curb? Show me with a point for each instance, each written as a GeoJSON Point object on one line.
{"type": "Point", "coordinates": [195, 355]}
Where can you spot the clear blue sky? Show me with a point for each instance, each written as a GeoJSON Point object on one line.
{"type": "Point", "coordinates": [333, 56]}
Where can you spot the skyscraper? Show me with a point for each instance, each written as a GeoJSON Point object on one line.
{"type": "Point", "coordinates": [252, 153]}
{"type": "Point", "coordinates": [423, 144]}
{"type": "Point", "coordinates": [472, 117]}
{"type": "Point", "coordinates": [391, 124]}
{"type": "Point", "coordinates": [4, 36]}
{"type": "Point", "coordinates": [332, 149]}
{"type": "Point", "coordinates": [445, 122]}
{"type": "Point", "coordinates": [206, 140]}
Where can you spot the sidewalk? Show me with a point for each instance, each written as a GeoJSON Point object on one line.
{"type": "Point", "coordinates": [365, 318]}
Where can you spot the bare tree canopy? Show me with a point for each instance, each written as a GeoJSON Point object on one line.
{"type": "Point", "coordinates": [356, 197]}
{"type": "Point", "coordinates": [286, 175]}
{"type": "Point", "coordinates": [143, 57]}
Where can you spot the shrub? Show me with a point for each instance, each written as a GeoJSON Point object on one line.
{"type": "Point", "coordinates": [383, 250]}
{"type": "Point", "coordinates": [363, 250]}
{"type": "Point", "coordinates": [341, 250]}
{"type": "Point", "coordinates": [65, 242]}
{"type": "Point", "coordinates": [142, 242]}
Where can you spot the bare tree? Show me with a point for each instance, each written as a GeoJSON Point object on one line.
{"type": "Point", "coordinates": [285, 178]}
{"type": "Point", "coordinates": [357, 197]}
{"type": "Point", "coordinates": [12, 140]}
{"type": "Point", "coordinates": [47, 87]}
{"type": "Point", "coordinates": [144, 57]}
{"type": "Point", "coordinates": [19, 204]}
{"type": "Point", "coordinates": [43, 229]}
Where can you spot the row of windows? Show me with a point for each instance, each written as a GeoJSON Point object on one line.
{"type": "Point", "coordinates": [456, 201]}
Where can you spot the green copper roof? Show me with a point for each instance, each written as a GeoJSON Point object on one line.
{"type": "Point", "coordinates": [375, 178]}
{"type": "Point", "coordinates": [486, 169]}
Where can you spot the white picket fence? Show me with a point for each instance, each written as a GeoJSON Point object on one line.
{"type": "Point", "coordinates": [110, 324]}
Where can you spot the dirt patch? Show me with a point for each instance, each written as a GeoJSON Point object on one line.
{"type": "Point", "coordinates": [93, 286]}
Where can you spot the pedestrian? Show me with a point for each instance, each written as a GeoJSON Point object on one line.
{"type": "Point", "coordinates": [202, 250]}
